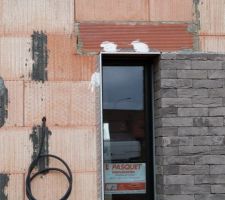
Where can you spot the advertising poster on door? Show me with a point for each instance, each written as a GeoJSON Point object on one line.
{"type": "Point", "coordinates": [125, 178]}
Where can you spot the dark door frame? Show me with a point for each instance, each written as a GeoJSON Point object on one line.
{"type": "Point", "coordinates": [145, 60]}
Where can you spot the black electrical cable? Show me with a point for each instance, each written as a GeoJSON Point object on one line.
{"type": "Point", "coordinates": [34, 163]}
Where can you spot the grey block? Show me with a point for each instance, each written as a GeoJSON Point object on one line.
{"type": "Point", "coordinates": [216, 74]}
{"type": "Point", "coordinates": [192, 92]}
{"type": "Point", "coordinates": [223, 65]}
{"type": "Point", "coordinates": [217, 131]}
{"type": "Point", "coordinates": [180, 160]}
{"type": "Point", "coordinates": [178, 179]}
{"type": "Point", "coordinates": [167, 151]}
{"type": "Point", "coordinates": [194, 150]}
{"type": "Point", "coordinates": [157, 122]}
{"type": "Point", "coordinates": [176, 141]}
{"type": "Point", "coordinates": [195, 189]}
{"type": "Point", "coordinates": [216, 56]}
{"type": "Point", "coordinates": [159, 179]}
{"type": "Point", "coordinates": [208, 83]}
{"type": "Point", "coordinates": [210, 197]}
{"type": "Point", "coordinates": [156, 95]}
{"type": "Point", "coordinates": [218, 189]}
{"type": "Point", "coordinates": [159, 195]}
{"type": "Point", "coordinates": [206, 64]}
{"type": "Point", "coordinates": [159, 160]}
{"type": "Point", "coordinates": [175, 64]}
{"type": "Point", "coordinates": [194, 169]}
{"type": "Point", "coordinates": [218, 150]}
{"type": "Point", "coordinates": [157, 103]}
{"type": "Point", "coordinates": [171, 169]}
{"type": "Point", "coordinates": [211, 160]}
{"type": "Point", "coordinates": [168, 56]}
{"type": "Point", "coordinates": [168, 74]}
{"type": "Point", "coordinates": [209, 140]}
{"type": "Point", "coordinates": [191, 56]}
{"type": "Point", "coordinates": [192, 112]}
{"type": "Point", "coordinates": [194, 131]}
{"type": "Point", "coordinates": [176, 102]}
{"type": "Point", "coordinates": [217, 169]}
{"type": "Point", "coordinates": [170, 93]}
{"type": "Point", "coordinates": [217, 92]}
{"type": "Point", "coordinates": [168, 111]}
{"type": "Point", "coordinates": [207, 102]}
{"type": "Point", "coordinates": [176, 83]}
{"type": "Point", "coordinates": [208, 121]}
{"type": "Point", "coordinates": [178, 197]}
{"type": "Point", "coordinates": [177, 121]}
{"type": "Point", "coordinates": [223, 101]}
{"type": "Point", "coordinates": [157, 85]}
{"type": "Point", "coordinates": [209, 179]}
{"type": "Point", "coordinates": [192, 74]}
{"type": "Point", "coordinates": [168, 131]}
{"type": "Point", "coordinates": [219, 111]}
{"type": "Point", "coordinates": [159, 169]}
{"type": "Point", "coordinates": [172, 189]}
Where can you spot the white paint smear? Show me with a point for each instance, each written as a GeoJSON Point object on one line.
{"type": "Point", "coordinates": [140, 46]}
{"type": "Point", "coordinates": [109, 46]}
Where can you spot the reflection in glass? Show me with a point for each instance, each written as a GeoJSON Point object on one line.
{"type": "Point", "coordinates": [123, 88]}
{"type": "Point", "coordinates": [124, 133]}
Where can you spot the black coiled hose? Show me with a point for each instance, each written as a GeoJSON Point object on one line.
{"type": "Point", "coordinates": [31, 176]}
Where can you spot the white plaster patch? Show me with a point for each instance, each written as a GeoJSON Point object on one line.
{"type": "Point", "coordinates": [140, 46]}
{"type": "Point", "coordinates": [109, 46]}
{"type": "Point", "coordinates": [95, 81]}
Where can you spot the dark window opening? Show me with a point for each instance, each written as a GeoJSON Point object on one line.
{"type": "Point", "coordinates": [128, 128]}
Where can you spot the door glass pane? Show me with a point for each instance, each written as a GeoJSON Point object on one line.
{"type": "Point", "coordinates": [123, 88]}
{"type": "Point", "coordinates": [124, 133]}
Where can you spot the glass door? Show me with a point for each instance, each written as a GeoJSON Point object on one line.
{"type": "Point", "coordinates": [127, 160]}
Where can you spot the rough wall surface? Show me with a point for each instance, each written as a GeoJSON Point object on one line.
{"type": "Point", "coordinates": [190, 130]}
{"type": "Point", "coordinates": [161, 37]}
{"type": "Point", "coordinates": [45, 77]}
{"type": "Point", "coordinates": [212, 25]}
{"type": "Point", "coordinates": [51, 78]}
{"type": "Point", "coordinates": [133, 10]}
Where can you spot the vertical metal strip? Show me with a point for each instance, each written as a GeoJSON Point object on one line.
{"type": "Point", "coordinates": [153, 128]}
{"type": "Point", "coordinates": [101, 129]}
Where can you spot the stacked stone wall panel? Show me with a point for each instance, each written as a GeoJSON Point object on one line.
{"type": "Point", "coordinates": [190, 127]}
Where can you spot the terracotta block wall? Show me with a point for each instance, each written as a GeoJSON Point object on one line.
{"type": "Point", "coordinates": [65, 98]}
{"type": "Point", "coordinates": [126, 10]}
{"type": "Point", "coordinates": [167, 25]}
{"type": "Point", "coordinates": [70, 33]}
{"type": "Point", "coordinates": [161, 37]}
{"type": "Point", "coordinates": [211, 25]}
{"type": "Point", "coordinates": [204, 20]}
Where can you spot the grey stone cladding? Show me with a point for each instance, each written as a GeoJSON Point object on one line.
{"type": "Point", "coordinates": [189, 95]}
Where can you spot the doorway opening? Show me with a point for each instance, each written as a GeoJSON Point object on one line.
{"type": "Point", "coordinates": [128, 133]}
